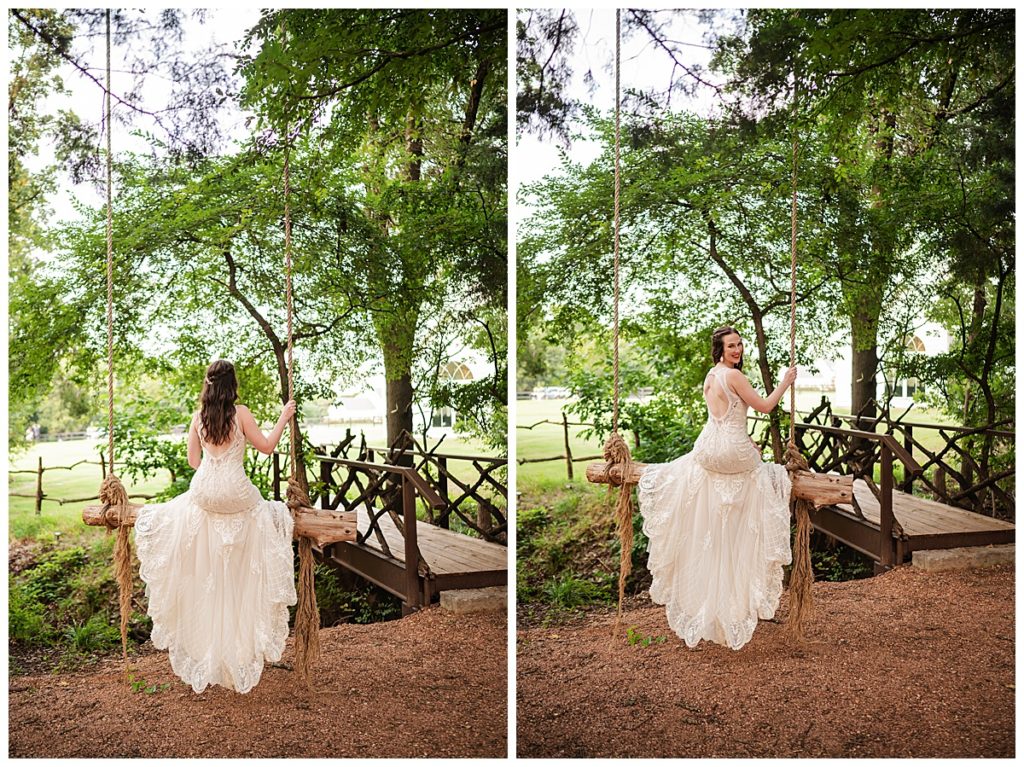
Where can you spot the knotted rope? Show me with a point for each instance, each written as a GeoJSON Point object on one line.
{"type": "Point", "coordinates": [801, 576]}
{"type": "Point", "coordinates": [307, 613]}
{"type": "Point", "coordinates": [616, 451]}
{"type": "Point", "coordinates": [112, 494]}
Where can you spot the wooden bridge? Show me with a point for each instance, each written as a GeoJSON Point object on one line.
{"type": "Point", "coordinates": [385, 494]}
{"type": "Point", "coordinates": [886, 520]}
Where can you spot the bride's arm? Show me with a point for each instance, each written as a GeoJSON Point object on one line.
{"type": "Point", "coordinates": [195, 449]}
{"type": "Point", "coordinates": [265, 444]}
{"type": "Point", "coordinates": [746, 392]}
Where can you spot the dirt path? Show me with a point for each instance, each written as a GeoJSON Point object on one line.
{"type": "Point", "coordinates": [431, 684]}
{"type": "Point", "coordinates": [906, 664]}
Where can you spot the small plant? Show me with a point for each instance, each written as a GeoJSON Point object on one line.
{"type": "Point", "coordinates": [570, 591]}
{"type": "Point", "coordinates": [143, 686]}
{"type": "Point", "coordinates": [92, 636]}
{"type": "Point", "coordinates": [636, 637]}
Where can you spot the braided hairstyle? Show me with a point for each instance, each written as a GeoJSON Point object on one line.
{"type": "Point", "coordinates": [217, 402]}
{"type": "Point", "coordinates": [718, 344]}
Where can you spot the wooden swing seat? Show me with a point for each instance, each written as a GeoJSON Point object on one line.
{"type": "Point", "coordinates": [321, 526]}
{"type": "Point", "coordinates": [819, 489]}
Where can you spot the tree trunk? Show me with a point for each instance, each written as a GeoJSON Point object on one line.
{"type": "Point", "coordinates": [864, 335]}
{"type": "Point", "coordinates": [397, 334]}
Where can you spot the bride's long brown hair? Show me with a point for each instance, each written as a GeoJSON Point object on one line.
{"type": "Point", "coordinates": [718, 344]}
{"type": "Point", "coordinates": [217, 402]}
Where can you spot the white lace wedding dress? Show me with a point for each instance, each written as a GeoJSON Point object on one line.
{"type": "Point", "coordinates": [718, 524]}
{"type": "Point", "coordinates": [218, 566]}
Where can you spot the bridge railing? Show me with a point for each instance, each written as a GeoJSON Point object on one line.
{"type": "Point", "coordinates": [474, 487]}
{"type": "Point", "coordinates": [972, 468]}
{"type": "Point", "coordinates": [381, 491]}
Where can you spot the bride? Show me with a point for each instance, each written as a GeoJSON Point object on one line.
{"type": "Point", "coordinates": [718, 518]}
{"type": "Point", "coordinates": [217, 560]}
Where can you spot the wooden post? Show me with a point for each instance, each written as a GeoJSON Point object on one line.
{"type": "Point", "coordinates": [442, 488]}
{"type": "Point", "coordinates": [276, 481]}
{"type": "Point", "coordinates": [966, 467]}
{"type": "Point", "coordinates": [39, 488]}
{"type": "Point", "coordinates": [412, 558]}
{"type": "Point", "coordinates": [103, 465]}
{"type": "Point", "coordinates": [483, 518]}
{"type": "Point", "coordinates": [568, 451]}
{"type": "Point", "coordinates": [939, 480]}
{"type": "Point", "coordinates": [325, 480]}
{"type": "Point", "coordinates": [908, 476]}
{"type": "Point", "coordinates": [885, 515]}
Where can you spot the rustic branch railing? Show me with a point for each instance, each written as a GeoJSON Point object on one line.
{"type": "Point", "coordinates": [979, 461]}
{"type": "Point", "coordinates": [381, 490]}
{"type": "Point", "coordinates": [477, 495]}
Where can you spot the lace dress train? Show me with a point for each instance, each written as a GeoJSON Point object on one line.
{"type": "Point", "coordinates": [219, 572]}
{"type": "Point", "coordinates": [718, 524]}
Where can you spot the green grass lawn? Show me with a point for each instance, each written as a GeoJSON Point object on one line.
{"type": "Point", "coordinates": [82, 481]}
{"type": "Point", "coordinates": [546, 441]}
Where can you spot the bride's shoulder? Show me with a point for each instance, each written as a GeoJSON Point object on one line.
{"type": "Point", "coordinates": [735, 375]}
{"type": "Point", "coordinates": [243, 410]}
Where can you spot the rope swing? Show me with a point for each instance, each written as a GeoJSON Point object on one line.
{"type": "Point", "coordinates": [307, 613]}
{"type": "Point", "coordinates": [801, 576]}
{"type": "Point", "coordinates": [112, 495]}
{"type": "Point", "coordinates": [809, 490]}
{"type": "Point", "coordinates": [312, 526]}
{"type": "Point", "coordinates": [616, 451]}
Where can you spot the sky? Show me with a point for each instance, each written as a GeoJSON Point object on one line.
{"type": "Point", "coordinates": [643, 67]}
{"type": "Point", "coordinates": [221, 27]}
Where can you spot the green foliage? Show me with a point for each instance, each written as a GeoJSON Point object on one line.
{"type": "Point", "coordinates": [565, 551]}
{"type": "Point", "coordinates": [344, 599]}
{"type": "Point", "coordinates": [139, 684]}
{"type": "Point", "coordinates": [424, 228]}
{"type": "Point", "coordinates": [51, 578]}
{"type": "Point", "coordinates": [26, 619]}
{"type": "Point", "coordinates": [95, 635]}
{"type": "Point", "coordinates": [569, 591]}
{"type": "Point", "coordinates": [636, 637]}
{"type": "Point", "coordinates": [833, 561]}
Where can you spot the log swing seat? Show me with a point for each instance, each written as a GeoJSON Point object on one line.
{"type": "Point", "coordinates": [312, 526]}
{"type": "Point", "coordinates": [809, 489]}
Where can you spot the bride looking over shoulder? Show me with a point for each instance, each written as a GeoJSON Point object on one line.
{"type": "Point", "coordinates": [717, 518]}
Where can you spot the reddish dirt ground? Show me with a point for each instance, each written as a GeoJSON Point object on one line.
{"type": "Point", "coordinates": [907, 664]}
{"type": "Point", "coordinates": [432, 684]}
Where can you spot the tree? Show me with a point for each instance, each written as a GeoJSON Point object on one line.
{"type": "Point", "coordinates": [416, 100]}
{"type": "Point", "coordinates": [883, 100]}
{"type": "Point", "coordinates": [705, 228]}
{"type": "Point", "coordinates": [47, 323]}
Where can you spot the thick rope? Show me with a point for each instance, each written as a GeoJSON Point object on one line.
{"type": "Point", "coordinates": [307, 612]}
{"type": "Point", "coordinates": [110, 269]}
{"type": "Point", "coordinates": [801, 576]}
{"type": "Point", "coordinates": [112, 492]}
{"type": "Point", "coordinates": [616, 454]}
{"type": "Point", "coordinates": [615, 268]}
{"type": "Point", "coordinates": [616, 451]}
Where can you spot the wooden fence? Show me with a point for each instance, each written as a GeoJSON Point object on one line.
{"type": "Point", "coordinates": [568, 457]}
{"type": "Point", "coordinates": [39, 495]}
{"type": "Point", "coordinates": [973, 468]}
